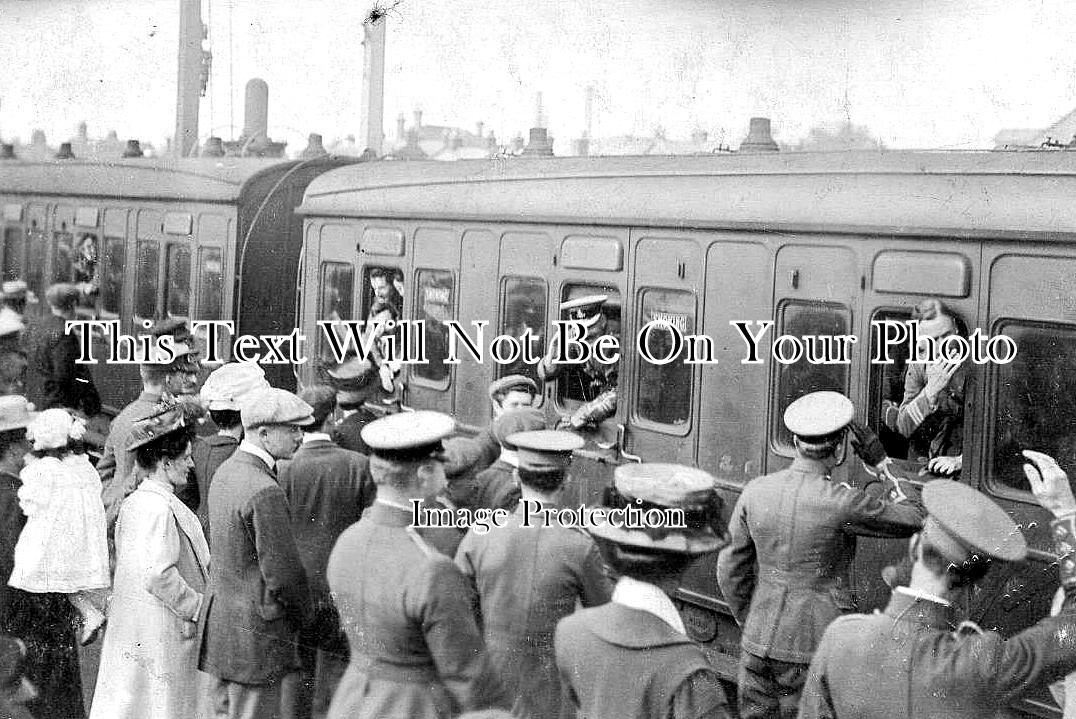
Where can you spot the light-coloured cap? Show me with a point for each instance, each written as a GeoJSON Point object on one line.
{"type": "Point", "coordinates": [585, 309]}
{"type": "Point", "coordinates": [408, 435]}
{"type": "Point", "coordinates": [513, 382]}
{"type": "Point", "coordinates": [15, 412]}
{"type": "Point", "coordinates": [545, 449]}
{"type": "Point", "coordinates": [10, 322]}
{"type": "Point", "coordinates": [962, 522]}
{"type": "Point", "coordinates": [819, 414]}
{"type": "Point", "coordinates": [226, 385]}
{"type": "Point", "coordinates": [270, 405]}
{"type": "Point", "coordinates": [62, 295]}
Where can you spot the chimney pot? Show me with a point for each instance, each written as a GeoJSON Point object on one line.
{"type": "Point", "coordinates": [65, 152]}
{"type": "Point", "coordinates": [214, 147]}
{"type": "Point", "coordinates": [759, 137]}
{"type": "Point", "coordinates": [133, 149]}
{"type": "Point", "coordinates": [7, 151]}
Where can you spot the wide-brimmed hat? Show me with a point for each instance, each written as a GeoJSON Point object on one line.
{"type": "Point", "coordinates": [226, 385]}
{"type": "Point", "coordinates": [15, 412]}
{"type": "Point", "coordinates": [650, 486]}
{"type": "Point", "coordinates": [166, 419]}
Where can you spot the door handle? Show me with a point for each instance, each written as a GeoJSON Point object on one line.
{"type": "Point", "coordinates": [621, 435]}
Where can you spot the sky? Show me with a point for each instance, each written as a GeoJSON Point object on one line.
{"type": "Point", "coordinates": [917, 74]}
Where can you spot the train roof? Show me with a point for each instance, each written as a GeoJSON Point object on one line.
{"type": "Point", "coordinates": [965, 193]}
{"type": "Point", "coordinates": [217, 179]}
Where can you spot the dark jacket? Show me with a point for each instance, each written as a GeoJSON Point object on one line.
{"type": "Point", "coordinates": [416, 651]}
{"type": "Point", "coordinates": [348, 431]}
{"type": "Point", "coordinates": [257, 589]}
{"type": "Point", "coordinates": [793, 537]}
{"type": "Point", "coordinates": [623, 663]}
{"type": "Point", "coordinates": [495, 487]}
{"type": "Point", "coordinates": [916, 665]}
{"type": "Point", "coordinates": [53, 379]}
{"type": "Point", "coordinates": [208, 453]}
{"type": "Point", "coordinates": [528, 579]}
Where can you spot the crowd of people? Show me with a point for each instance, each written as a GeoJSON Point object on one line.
{"type": "Point", "coordinates": [242, 551]}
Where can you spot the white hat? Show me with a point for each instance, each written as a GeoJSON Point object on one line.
{"type": "Point", "coordinates": [226, 385]}
{"type": "Point", "coordinates": [10, 322]}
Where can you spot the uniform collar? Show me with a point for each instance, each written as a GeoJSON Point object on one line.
{"type": "Point", "coordinates": [309, 437]}
{"type": "Point", "coordinates": [389, 514]}
{"type": "Point", "coordinates": [648, 598]}
{"type": "Point", "coordinates": [251, 448]}
{"type": "Point", "coordinates": [918, 607]}
{"type": "Point", "coordinates": [509, 456]}
{"type": "Point", "coordinates": [807, 465]}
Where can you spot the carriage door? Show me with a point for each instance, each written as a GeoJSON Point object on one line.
{"type": "Point", "coordinates": [435, 285]}
{"type": "Point", "coordinates": [661, 393]}
{"type": "Point", "coordinates": [328, 292]}
{"type": "Point", "coordinates": [815, 293]}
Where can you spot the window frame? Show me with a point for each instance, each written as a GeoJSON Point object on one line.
{"type": "Point", "coordinates": [443, 385]}
{"type": "Point", "coordinates": [502, 370]}
{"type": "Point", "coordinates": [636, 416]}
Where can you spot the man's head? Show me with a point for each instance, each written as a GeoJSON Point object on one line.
{"type": "Point", "coordinates": [62, 298]}
{"type": "Point", "coordinates": [512, 392]}
{"type": "Point", "coordinates": [381, 284]}
{"type": "Point", "coordinates": [964, 532]}
{"type": "Point", "coordinates": [322, 398]}
{"type": "Point", "coordinates": [587, 311]}
{"type": "Point", "coordinates": [16, 294]}
{"type": "Point", "coordinates": [226, 386]}
{"type": "Point", "coordinates": [818, 422]}
{"type": "Point", "coordinates": [545, 457]}
{"type": "Point", "coordinates": [660, 555]}
{"type": "Point", "coordinates": [407, 453]}
{"type": "Point", "coordinates": [273, 420]}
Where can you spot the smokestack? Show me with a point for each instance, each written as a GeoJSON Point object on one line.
{"type": "Point", "coordinates": [540, 145]}
{"type": "Point", "coordinates": [539, 119]}
{"type": "Point", "coordinates": [759, 138]}
{"type": "Point", "coordinates": [401, 128]}
{"type": "Point", "coordinates": [65, 152]}
{"type": "Point", "coordinates": [588, 112]}
{"type": "Point", "coordinates": [256, 112]}
{"type": "Point", "coordinates": [7, 151]}
{"type": "Point", "coordinates": [192, 77]}
{"type": "Point", "coordinates": [133, 149]}
{"type": "Point", "coordinates": [372, 122]}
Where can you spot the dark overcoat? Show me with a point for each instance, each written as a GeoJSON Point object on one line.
{"type": "Point", "coordinates": [793, 537]}
{"type": "Point", "coordinates": [257, 589]}
{"type": "Point", "coordinates": [622, 663]}
{"type": "Point", "coordinates": [53, 378]}
{"type": "Point", "coordinates": [416, 650]}
{"type": "Point", "coordinates": [208, 453]}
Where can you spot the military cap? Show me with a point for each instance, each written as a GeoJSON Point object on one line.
{"type": "Point", "coordinates": [181, 359]}
{"type": "Point", "coordinates": [10, 322]}
{"type": "Point", "coordinates": [17, 290]}
{"type": "Point", "coordinates": [408, 436]}
{"type": "Point", "coordinates": [962, 522]}
{"type": "Point", "coordinates": [819, 414]}
{"type": "Point", "coordinates": [270, 405]}
{"type": "Point", "coordinates": [666, 486]}
{"type": "Point", "coordinates": [166, 419]}
{"type": "Point", "coordinates": [524, 419]}
{"type": "Point", "coordinates": [352, 379]}
{"type": "Point", "coordinates": [512, 383]}
{"type": "Point", "coordinates": [545, 449]}
{"type": "Point", "coordinates": [225, 385]}
{"type": "Point", "coordinates": [15, 412]}
{"type": "Point", "coordinates": [62, 294]}
{"type": "Point", "coordinates": [174, 326]}
{"type": "Point", "coordinates": [585, 309]}
{"type": "Point", "coordinates": [322, 398]}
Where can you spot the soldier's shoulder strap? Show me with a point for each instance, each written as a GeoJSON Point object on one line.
{"type": "Point", "coordinates": [421, 543]}
{"type": "Point", "coordinates": [967, 628]}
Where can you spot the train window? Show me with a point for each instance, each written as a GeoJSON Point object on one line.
{"type": "Point", "coordinates": [84, 272]}
{"type": "Point", "coordinates": [1033, 401]}
{"type": "Point", "coordinates": [435, 303]}
{"type": "Point", "coordinates": [177, 298]}
{"type": "Point", "coordinates": [112, 276]}
{"type": "Point", "coordinates": [583, 383]}
{"type": "Point", "coordinates": [150, 224]}
{"type": "Point", "coordinates": [886, 384]}
{"type": "Point", "coordinates": [210, 283]}
{"type": "Point", "coordinates": [798, 378]}
{"type": "Point", "coordinates": [664, 390]}
{"type": "Point", "coordinates": [62, 254]}
{"type": "Point", "coordinates": [524, 309]}
{"type": "Point", "coordinates": [382, 284]}
{"type": "Point", "coordinates": [147, 260]}
{"type": "Point", "coordinates": [13, 246]}
{"type": "Point", "coordinates": [337, 286]}
{"type": "Point", "coordinates": [36, 250]}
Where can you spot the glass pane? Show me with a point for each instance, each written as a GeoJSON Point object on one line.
{"type": "Point", "coordinates": [1035, 402]}
{"type": "Point", "coordinates": [148, 259]}
{"type": "Point", "coordinates": [435, 306]}
{"type": "Point", "coordinates": [337, 288]}
{"type": "Point", "coordinates": [112, 276]}
{"type": "Point", "coordinates": [665, 389]}
{"type": "Point", "coordinates": [210, 283]}
{"type": "Point", "coordinates": [84, 272]}
{"type": "Point", "coordinates": [62, 255]}
{"type": "Point", "coordinates": [35, 261]}
{"type": "Point", "coordinates": [583, 383]}
{"type": "Point", "coordinates": [13, 242]}
{"type": "Point", "coordinates": [524, 309]}
{"type": "Point", "coordinates": [178, 281]}
{"type": "Point", "coordinates": [801, 377]}
{"type": "Point", "coordinates": [887, 384]}
{"type": "Point", "coordinates": [382, 285]}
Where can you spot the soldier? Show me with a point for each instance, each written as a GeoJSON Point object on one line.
{"type": "Point", "coordinates": [327, 487]}
{"type": "Point", "coordinates": [529, 578]}
{"type": "Point", "coordinates": [597, 382]}
{"type": "Point", "coordinates": [785, 572]}
{"type": "Point", "coordinates": [632, 657]}
{"type": "Point", "coordinates": [497, 486]}
{"type": "Point", "coordinates": [910, 657]}
{"type": "Point", "coordinates": [512, 392]}
{"type": "Point", "coordinates": [223, 390]}
{"type": "Point", "coordinates": [54, 378]}
{"type": "Point", "coordinates": [416, 650]}
{"type": "Point", "coordinates": [257, 591]}
{"type": "Point", "coordinates": [356, 383]}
